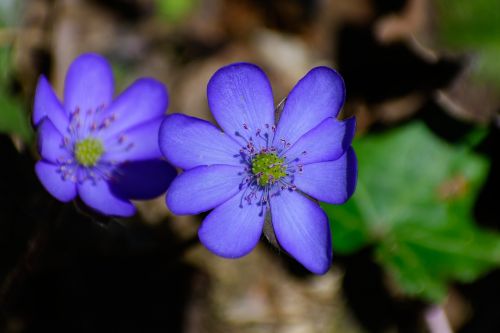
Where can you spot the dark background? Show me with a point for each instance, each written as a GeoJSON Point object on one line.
{"type": "Point", "coordinates": [65, 269]}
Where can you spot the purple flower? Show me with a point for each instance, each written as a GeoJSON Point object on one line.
{"type": "Point", "coordinates": [104, 151]}
{"type": "Point", "coordinates": [257, 167]}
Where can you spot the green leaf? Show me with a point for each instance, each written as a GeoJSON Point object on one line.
{"type": "Point", "coordinates": [399, 259]}
{"type": "Point", "coordinates": [413, 202]}
{"type": "Point", "coordinates": [349, 233]}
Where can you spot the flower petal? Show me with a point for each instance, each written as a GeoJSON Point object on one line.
{"type": "Point", "coordinates": [142, 180]}
{"type": "Point", "coordinates": [240, 95]}
{"type": "Point", "coordinates": [333, 181]}
{"type": "Point", "coordinates": [231, 230]}
{"type": "Point", "coordinates": [47, 105]}
{"type": "Point", "coordinates": [302, 229]}
{"type": "Point", "coordinates": [98, 196]}
{"type": "Point", "coordinates": [89, 83]}
{"type": "Point", "coordinates": [145, 100]}
{"type": "Point", "coordinates": [188, 142]}
{"type": "Point", "coordinates": [203, 188]}
{"type": "Point", "coordinates": [326, 142]}
{"type": "Point", "coordinates": [138, 143]}
{"type": "Point", "coordinates": [51, 143]}
{"type": "Point", "coordinates": [318, 95]}
{"type": "Point", "coordinates": [51, 178]}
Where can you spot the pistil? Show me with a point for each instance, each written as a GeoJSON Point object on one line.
{"type": "Point", "coordinates": [268, 168]}
{"type": "Point", "coordinates": [89, 151]}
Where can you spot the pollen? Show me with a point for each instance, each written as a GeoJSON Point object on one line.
{"type": "Point", "coordinates": [268, 168]}
{"type": "Point", "coordinates": [88, 151]}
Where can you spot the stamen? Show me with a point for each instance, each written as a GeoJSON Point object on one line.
{"type": "Point", "coordinates": [268, 170]}
{"type": "Point", "coordinates": [121, 138]}
{"type": "Point", "coordinates": [129, 146]}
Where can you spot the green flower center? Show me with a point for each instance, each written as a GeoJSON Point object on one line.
{"type": "Point", "coordinates": [268, 168]}
{"type": "Point", "coordinates": [88, 151]}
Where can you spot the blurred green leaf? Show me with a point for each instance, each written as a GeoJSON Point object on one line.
{"type": "Point", "coordinates": [9, 12]}
{"type": "Point", "coordinates": [413, 204]}
{"type": "Point", "coordinates": [175, 10]}
{"type": "Point", "coordinates": [13, 119]}
{"type": "Point", "coordinates": [466, 25]}
{"type": "Point", "coordinates": [5, 64]}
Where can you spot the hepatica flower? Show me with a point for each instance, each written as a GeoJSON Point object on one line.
{"type": "Point", "coordinates": [257, 167]}
{"type": "Point", "coordinates": [104, 151]}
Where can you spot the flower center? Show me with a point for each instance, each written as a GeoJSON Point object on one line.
{"type": "Point", "coordinates": [88, 151]}
{"type": "Point", "coordinates": [268, 168]}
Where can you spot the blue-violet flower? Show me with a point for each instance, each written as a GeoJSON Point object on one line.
{"type": "Point", "coordinates": [104, 151]}
{"type": "Point", "coordinates": [258, 168]}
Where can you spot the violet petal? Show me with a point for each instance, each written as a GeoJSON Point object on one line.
{"type": "Point", "coordinates": [302, 229]}
{"type": "Point", "coordinates": [145, 100]}
{"type": "Point", "coordinates": [318, 95]}
{"type": "Point", "coordinates": [240, 95]}
{"type": "Point", "coordinates": [203, 188]}
{"type": "Point", "coordinates": [137, 143]}
{"type": "Point", "coordinates": [333, 181]}
{"type": "Point", "coordinates": [142, 180]}
{"type": "Point", "coordinates": [48, 105]}
{"type": "Point", "coordinates": [89, 83]}
{"type": "Point", "coordinates": [231, 230]}
{"type": "Point", "coordinates": [326, 142]}
{"type": "Point", "coordinates": [98, 196]}
{"type": "Point", "coordinates": [188, 142]}
{"type": "Point", "coordinates": [51, 143]}
{"type": "Point", "coordinates": [52, 179]}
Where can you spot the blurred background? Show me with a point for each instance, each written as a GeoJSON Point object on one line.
{"type": "Point", "coordinates": [417, 248]}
